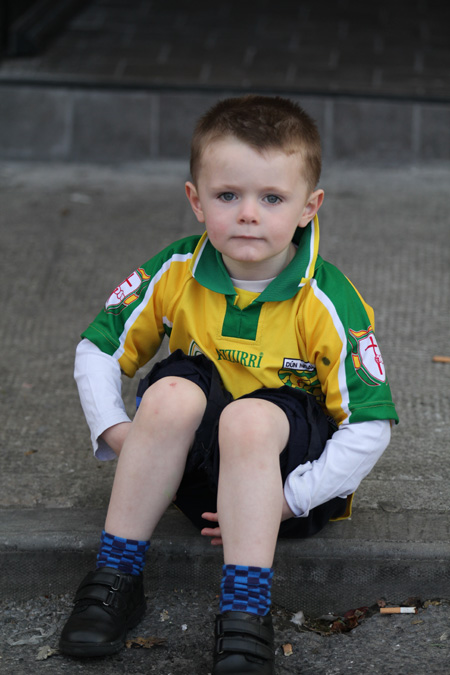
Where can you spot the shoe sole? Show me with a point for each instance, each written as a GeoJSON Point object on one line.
{"type": "Point", "coordinates": [90, 649]}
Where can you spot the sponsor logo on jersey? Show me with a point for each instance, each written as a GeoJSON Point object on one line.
{"type": "Point", "coordinates": [298, 364]}
{"type": "Point", "coordinates": [127, 292]}
{"type": "Point", "coordinates": [366, 357]}
{"type": "Point", "coordinates": [236, 356]}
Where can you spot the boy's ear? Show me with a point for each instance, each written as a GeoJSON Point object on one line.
{"type": "Point", "coordinates": [194, 200]}
{"type": "Point", "coordinates": [311, 207]}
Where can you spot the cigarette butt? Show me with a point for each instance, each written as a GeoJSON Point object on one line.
{"type": "Point", "coordinates": [287, 649]}
{"type": "Point", "coordinates": [398, 610]}
{"type": "Point", "coordinates": [441, 359]}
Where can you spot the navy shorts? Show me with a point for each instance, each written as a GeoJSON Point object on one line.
{"type": "Point", "coordinates": [309, 431]}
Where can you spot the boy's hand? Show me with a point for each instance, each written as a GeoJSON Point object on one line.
{"type": "Point", "coordinates": [213, 532]}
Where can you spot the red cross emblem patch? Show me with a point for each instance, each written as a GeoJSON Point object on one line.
{"type": "Point", "coordinates": [127, 292]}
{"type": "Point", "coordinates": [366, 357]}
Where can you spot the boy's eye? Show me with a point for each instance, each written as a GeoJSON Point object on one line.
{"type": "Point", "coordinates": [226, 196]}
{"type": "Point", "coordinates": [272, 199]}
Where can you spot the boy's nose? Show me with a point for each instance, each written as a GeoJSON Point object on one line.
{"type": "Point", "coordinates": [248, 212]}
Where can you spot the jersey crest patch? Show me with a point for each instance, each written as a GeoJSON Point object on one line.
{"type": "Point", "coordinates": [127, 292]}
{"type": "Point", "coordinates": [301, 375]}
{"type": "Point", "coordinates": [366, 357]}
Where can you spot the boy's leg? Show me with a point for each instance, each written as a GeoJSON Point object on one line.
{"type": "Point", "coordinates": [153, 457]}
{"type": "Point", "coordinates": [247, 586]}
{"type": "Point", "coordinates": [151, 464]}
{"type": "Point", "coordinates": [252, 435]}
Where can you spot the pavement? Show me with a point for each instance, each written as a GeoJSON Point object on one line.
{"type": "Point", "coordinates": [93, 147]}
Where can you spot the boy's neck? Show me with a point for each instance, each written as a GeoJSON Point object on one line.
{"type": "Point", "coordinates": [253, 286]}
{"type": "Point", "coordinates": [257, 271]}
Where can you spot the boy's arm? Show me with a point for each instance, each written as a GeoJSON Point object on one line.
{"type": "Point", "coordinates": [100, 388]}
{"type": "Point", "coordinates": [115, 436]}
{"type": "Point", "coordinates": [349, 456]}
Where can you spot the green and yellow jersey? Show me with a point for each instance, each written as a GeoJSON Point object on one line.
{"type": "Point", "coordinates": [308, 329]}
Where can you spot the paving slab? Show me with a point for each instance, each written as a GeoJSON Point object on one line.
{"type": "Point", "coordinates": [70, 232]}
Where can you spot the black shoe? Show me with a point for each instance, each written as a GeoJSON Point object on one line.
{"type": "Point", "coordinates": [107, 604]}
{"type": "Point", "coordinates": [244, 644]}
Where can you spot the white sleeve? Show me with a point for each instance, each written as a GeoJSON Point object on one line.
{"type": "Point", "coordinates": [349, 455]}
{"type": "Point", "coordinates": [99, 383]}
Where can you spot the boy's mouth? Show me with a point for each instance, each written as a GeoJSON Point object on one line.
{"type": "Point", "coordinates": [247, 237]}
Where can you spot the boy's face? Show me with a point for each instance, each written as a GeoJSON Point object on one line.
{"type": "Point", "coordinates": [251, 204]}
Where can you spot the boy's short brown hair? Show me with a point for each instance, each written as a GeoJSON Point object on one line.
{"type": "Point", "coordinates": [264, 123]}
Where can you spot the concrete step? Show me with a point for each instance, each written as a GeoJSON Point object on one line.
{"type": "Point", "coordinates": [350, 564]}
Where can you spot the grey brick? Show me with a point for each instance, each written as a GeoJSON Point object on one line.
{"type": "Point", "coordinates": [315, 107]}
{"type": "Point", "coordinates": [372, 130]}
{"type": "Point", "coordinates": [178, 114]}
{"type": "Point", "coordinates": [112, 126]}
{"type": "Point", "coordinates": [34, 122]}
{"type": "Point", "coordinates": [435, 132]}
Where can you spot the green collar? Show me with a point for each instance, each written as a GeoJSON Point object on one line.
{"type": "Point", "coordinates": [208, 269]}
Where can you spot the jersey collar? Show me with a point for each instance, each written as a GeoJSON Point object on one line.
{"type": "Point", "coordinates": [208, 269]}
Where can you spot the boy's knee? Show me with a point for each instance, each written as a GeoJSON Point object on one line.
{"type": "Point", "coordinates": [252, 422]}
{"type": "Point", "coordinates": [173, 397]}
{"type": "Point", "coordinates": [242, 413]}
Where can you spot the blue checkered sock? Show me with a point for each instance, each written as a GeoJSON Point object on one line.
{"type": "Point", "coordinates": [246, 589]}
{"type": "Point", "coordinates": [125, 555]}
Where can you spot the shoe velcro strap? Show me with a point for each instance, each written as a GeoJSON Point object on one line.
{"type": "Point", "coordinates": [226, 626]}
{"type": "Point", "coordinates": [98, 592]}
{"type": "Point", "coordinates": [107, 596]}
{"type": "Point", "coordinates": [101, 577]}
{"type": "Point", "coordinates": [243, 645]}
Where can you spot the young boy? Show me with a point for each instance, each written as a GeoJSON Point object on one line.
{"type": "Point", "coordinates": [273, 404]}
